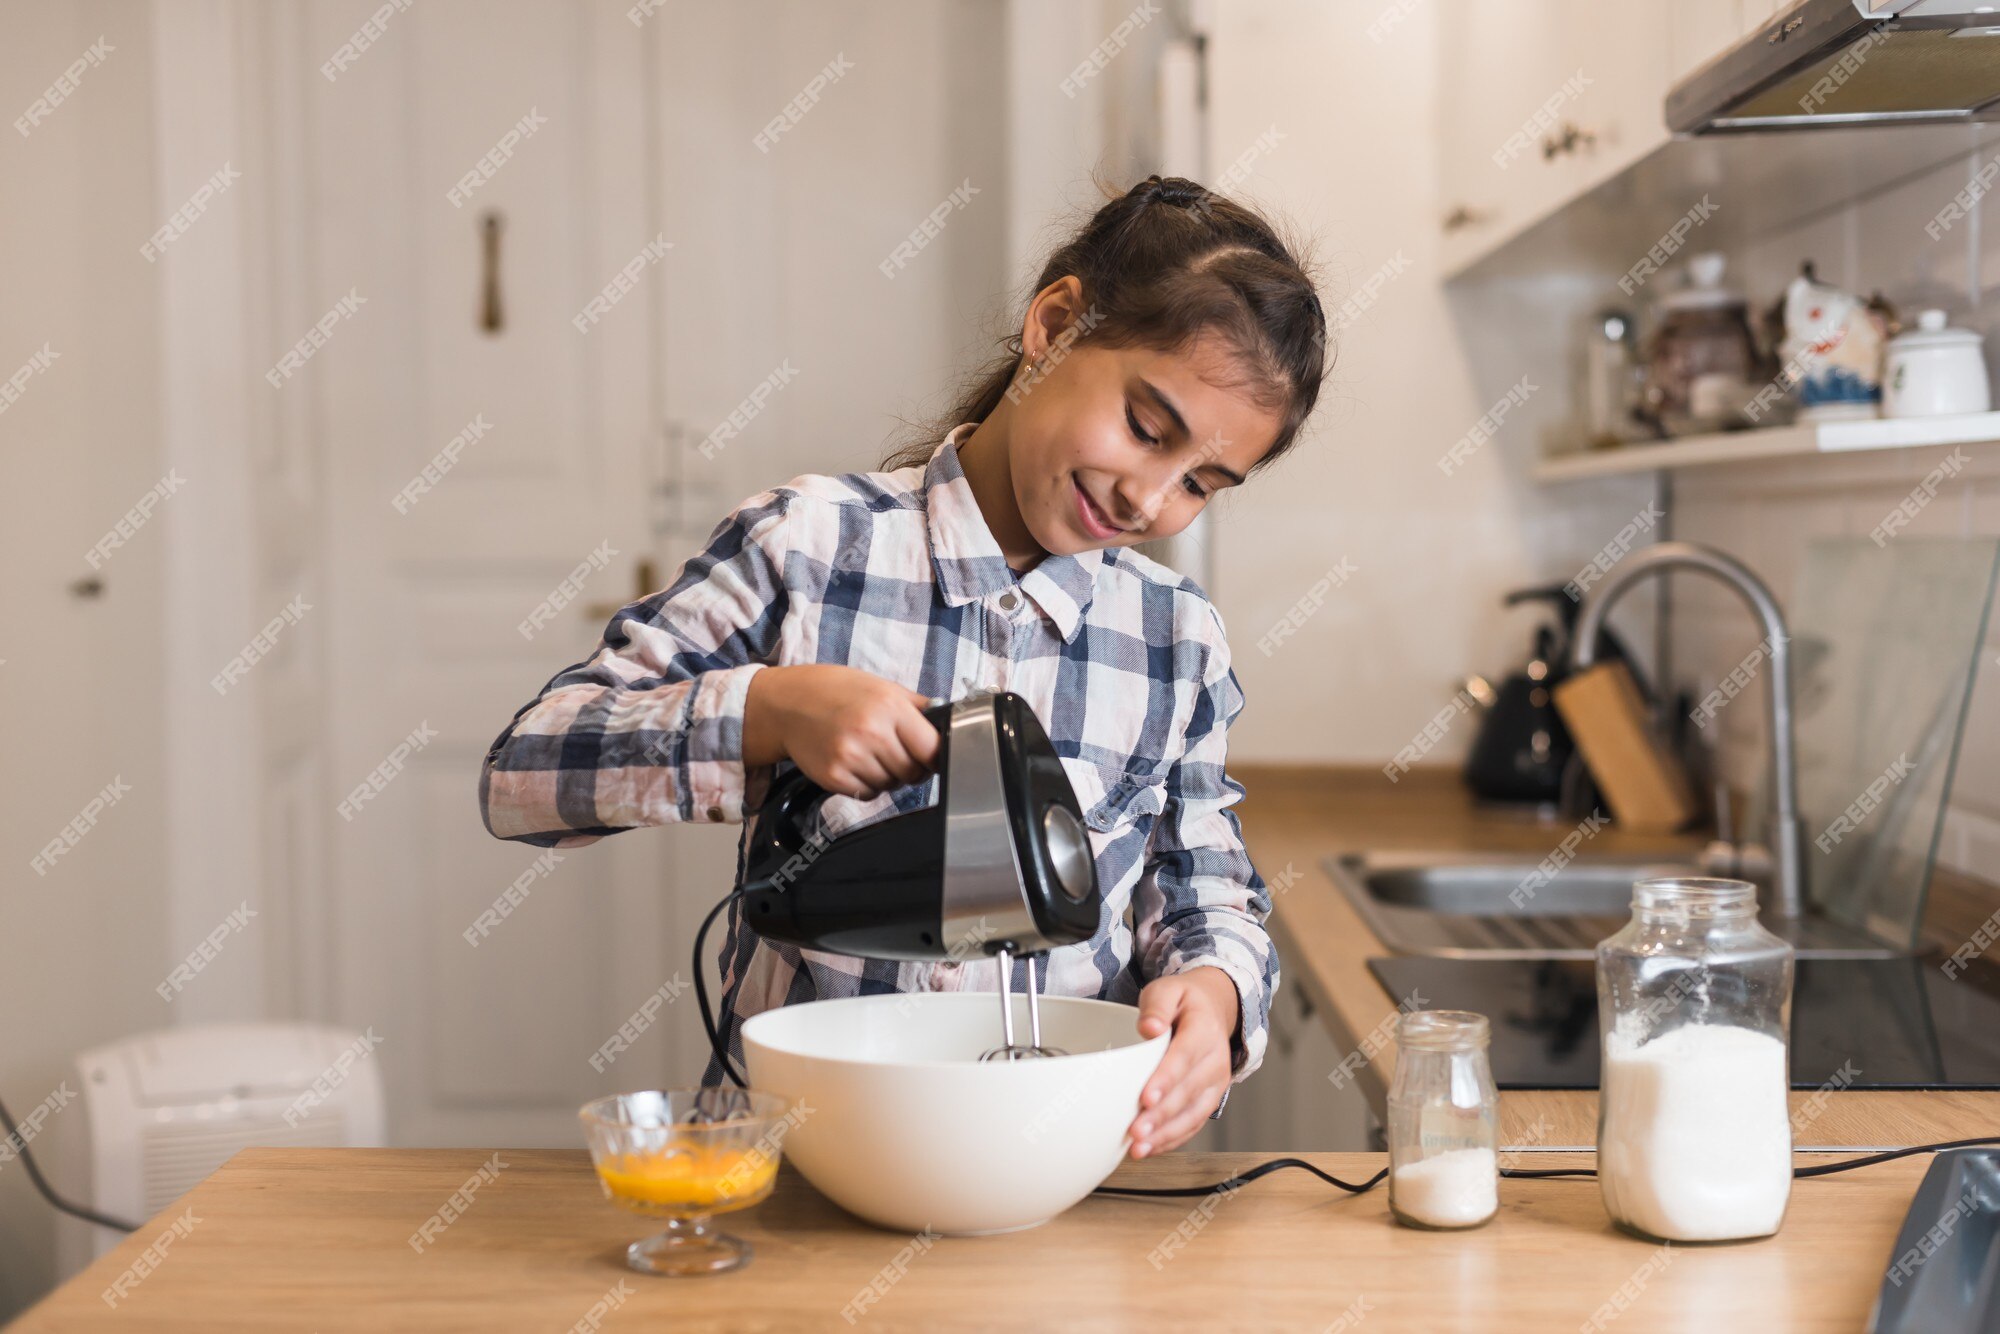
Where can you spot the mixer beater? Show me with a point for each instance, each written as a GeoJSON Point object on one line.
{"type": "Point", "coordinates": [1009, 1050]}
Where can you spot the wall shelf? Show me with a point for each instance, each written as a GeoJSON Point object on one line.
{"type": "Point", "coordinates": [1700, 451]}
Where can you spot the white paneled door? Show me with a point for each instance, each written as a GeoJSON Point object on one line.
{"type": "Point", "coordinates": [480, 174]}
{"type": "Point", "coordinates": [477, 176]}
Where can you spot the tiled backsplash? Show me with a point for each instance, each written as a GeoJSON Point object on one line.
{"type": "Point", "coordinates": [1883, 243]}
{"type": "Point", "coordinates": [1767, 513]}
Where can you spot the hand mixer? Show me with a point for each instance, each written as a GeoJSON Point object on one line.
{"type": "Point", "coordinates": [999, 864]}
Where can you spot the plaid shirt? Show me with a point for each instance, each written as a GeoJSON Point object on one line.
{"type": "Point", "coordinates": [897, 574]}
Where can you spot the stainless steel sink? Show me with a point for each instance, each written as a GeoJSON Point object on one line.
{"type": "Point", "coordinates": [1497, 906]}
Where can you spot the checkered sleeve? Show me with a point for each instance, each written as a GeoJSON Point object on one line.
{"type": "Point", "coordinates": [649, 729]}
{"type": "Point", "coordinates": [1199, 902]}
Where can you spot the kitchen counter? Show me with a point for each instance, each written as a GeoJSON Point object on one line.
{"type": "Point", "coordinates": [1294, 818]}
{"type": "Point", "coordinates": [319, 1239]}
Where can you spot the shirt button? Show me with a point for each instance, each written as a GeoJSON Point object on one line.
{"type": "Point", "coordinates": [1009, 601]}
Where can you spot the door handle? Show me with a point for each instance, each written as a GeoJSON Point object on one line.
{"type": "Point", "coordinates": [1568, 141]}
{"type": "Point", "coordinates": [1464, 216]}
{"type": "Point", "coordinates": [646, 577]}
{"type": "Point", "coordinates": [490, 317]}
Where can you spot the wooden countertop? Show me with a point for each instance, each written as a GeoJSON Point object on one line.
{"type": "Point", "coordinates": [318, 1239]}
{"type": "Point", "coordinates": [1294, 818]}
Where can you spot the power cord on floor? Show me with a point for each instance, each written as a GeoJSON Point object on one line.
{"type": "Point", "coordinates": [88, 1215]}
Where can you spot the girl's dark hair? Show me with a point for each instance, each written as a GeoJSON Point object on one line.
{"type": "Point", "coordinates": [1161, 264]}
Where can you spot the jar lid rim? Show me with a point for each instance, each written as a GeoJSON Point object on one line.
{"type": "Point", "coordinates": [1694, 893]}
{"type": "Point", "coordinates": [1443, 1028]}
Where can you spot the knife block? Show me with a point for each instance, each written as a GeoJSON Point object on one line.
{"type": "Point", "coordinates": [1642, 780]}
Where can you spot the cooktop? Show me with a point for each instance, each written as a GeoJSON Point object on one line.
{"type": "Point", "coordinates": [1873, 1023]}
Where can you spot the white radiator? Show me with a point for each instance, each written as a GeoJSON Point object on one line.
{"type": "Point", "coordinates": [160, 1111]}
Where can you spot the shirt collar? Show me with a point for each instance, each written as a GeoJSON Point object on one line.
{"type": "Point", "coordinates": [968, 559]}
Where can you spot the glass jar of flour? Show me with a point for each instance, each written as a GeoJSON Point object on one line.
{"type": "Point", "coordinates": [1444, 1120]}
{"type": "Point", "coordinates": [1694, 998]}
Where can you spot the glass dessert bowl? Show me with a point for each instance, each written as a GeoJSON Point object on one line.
{"type": "Point", "coordinates": [686, 1155]}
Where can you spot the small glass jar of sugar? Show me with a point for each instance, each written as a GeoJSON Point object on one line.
{"type": "Point", "coordinates": [1444, 1122]}
{"type": "Point", "coordinates": [1694, 998]}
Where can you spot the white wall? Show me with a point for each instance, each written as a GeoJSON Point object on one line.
{"type": "Point", "coordinates": [1356, 160]}
{"type": "Point", "coordinates": [80, 679]}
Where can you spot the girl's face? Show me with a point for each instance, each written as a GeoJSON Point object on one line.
{"type": "Point", "coordinates": [1110, 447]}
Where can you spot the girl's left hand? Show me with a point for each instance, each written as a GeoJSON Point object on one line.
{"type": "Point", "coordinates": [1200, 1007]}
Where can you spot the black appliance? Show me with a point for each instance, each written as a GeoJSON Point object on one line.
{"type": "Point", "coordinates": [1000, 862]}
{"type": "Point", "coordinates": [1522, 751]}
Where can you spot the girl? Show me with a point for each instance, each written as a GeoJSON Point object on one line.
{"type": "Point", "coordinates": [1173, 347]}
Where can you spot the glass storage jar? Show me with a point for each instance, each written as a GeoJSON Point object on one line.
{"type": "Point", "coordinates": [1694, 996]}
{"type": "Point", "coordinates": [1444, 1121]}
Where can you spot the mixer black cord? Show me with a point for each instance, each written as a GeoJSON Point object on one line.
{"type": "Point", "coordinates": [1245, 1178]}
{"type": "Point", "coordinates": [701, 990]}
{"type": "Point", "coordinates": [1265, 1169]}
{"type": "Point", "coordinates": [1845, 1164]}
{"type": "Point", "coordinates": [20, 1146]}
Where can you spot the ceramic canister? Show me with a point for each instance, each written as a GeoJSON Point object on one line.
{"type": "Point", "coordinates": [1935, 371]}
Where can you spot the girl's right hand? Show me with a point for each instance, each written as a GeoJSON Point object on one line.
{"type": "Point", "coordinates": [852, 732]}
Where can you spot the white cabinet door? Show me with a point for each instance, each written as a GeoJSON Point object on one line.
{"type": "Point", "coordinates": [1753, 14]}
{"type": "Point", "coordinates": [1290, 1105]}
{"type": "Point", "coordinates": [1324, 1117]}
{"type": "Point", "coordinates": [1540, 101]}
{"type": "Point", "coordinates": [1700, 30]}
{"type": "Point", "coordinates": [1500, 66]}
{"type": "Point", "coordinates": [1620, 59]}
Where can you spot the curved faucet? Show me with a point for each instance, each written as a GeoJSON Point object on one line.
{"type": "Point", "coordinates": [1787, 835]}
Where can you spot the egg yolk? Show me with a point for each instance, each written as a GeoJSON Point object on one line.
{"type": "Point", "coordinates": [686, 1177]}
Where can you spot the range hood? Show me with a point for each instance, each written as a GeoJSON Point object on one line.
{"type": "Point", "coordinates": [1829, 63]}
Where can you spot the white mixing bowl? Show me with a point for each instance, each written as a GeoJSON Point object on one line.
{"type": "Point", "coordinates": [904, 1126]}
